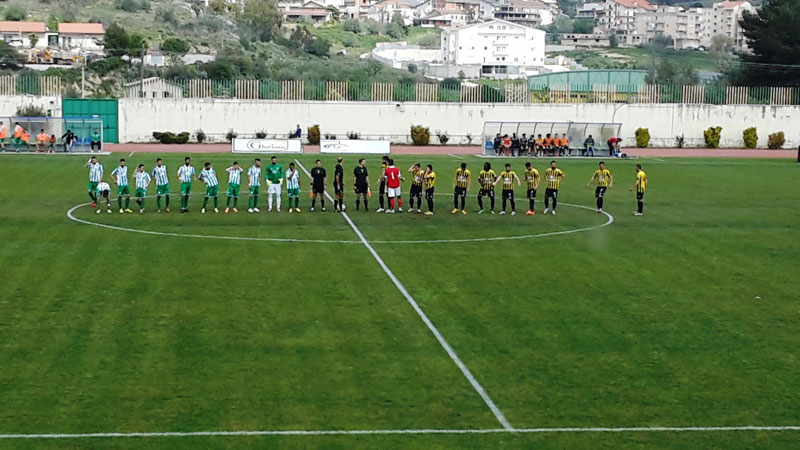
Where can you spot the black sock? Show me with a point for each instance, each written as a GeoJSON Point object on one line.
{"type": "Point", "coordinates": [504, 203]}
{"type": "Point", "coordinates": [531, 201]}
{"type": "Point", "coordinates": [358, 203]}
{"type": "Point", "coordinates": [641, 206]}
{"type": "Point", "coordinates": [480, 202]}
{"type": "Point", "coordinates": [513, 205]}
{"type": "Point", "coordinates": [313, 202]}
{"type": "Point", "coordinates": [546, 202]}
{"type": "Point", "coordinates": [93, 197]}
{"type": "Point", "coordinates": [380, 201]}
{"type": "Point", "coordinates": [411, 202]}
{"type": "Point", "coordinates": [463, 202]}
{"type": "Point", "coordinates": [366, 204]}
{"type": "Point", "coordinates": [322, 202]}
{"type": "Point", "coordinates": [555, 200]}
{"type": "Point", "coordinates": [430, 204]}
{"type": "Point", "coordinates": [599, 202]}
{"type": "Point", "coordinates": [492, 203]}
{"type": "Point", "coordinates": [455, 202]}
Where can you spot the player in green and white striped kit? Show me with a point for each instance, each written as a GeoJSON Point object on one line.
{"type": "Point", "coordinates": [120, 175]}
{"type": "Point", "coordinates": [185, 175]}
{"type": "Point", "coordinates": [162, 183]}
{"type": "Point", "coordinates": [95, 177]}
{"type": "Point", "coordinates": [142, 181]}
{"type": "Point", "coordinates": [254, 181]}
{"type": "Point", "coordinates": [234, 181]}
{"type": "Point", "coordinates": [212, 186]}
{"type": "Point", "coordinates": [293, 187]}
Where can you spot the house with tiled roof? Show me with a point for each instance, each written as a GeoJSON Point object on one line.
{"type": "Point", "coordinates": [24, 35]}
{"type": "Point", "coordinates": [86, 37]}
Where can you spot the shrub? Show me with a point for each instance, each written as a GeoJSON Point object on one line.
{"type": "Point", "coordinates": [711, 137]}
{"type": "Point", "coordinates": [30, 111]}
{"type": "Point", "coordinates": [175, 45]}
{"type": "Point", "coordinates": [352, 25]}
{"type": "Point", "coordinates": [353, 135]}
{"type": "Point", "coordinates": [231, 135]}
{"type": "Point", "coordinates": [261, 134]}
{"type": "Point", "coordinates": [443, 137]}
{"type": "Point", "coordinates": [15, 12]}
{"type": "Point", "coordinates": [776, 140]}
{"type": "Point", "coordinates": [200, 135]}
{"type": "Point", "coordinates": [420, 135]}
{"type": "Point", "coordinates": [750, 137]}
{"type": "Point", "coordinates": [313, 135]}
{"type": "Point", "coordinates": [169, 137]}
{"type": "Point", "coordinates": [642, 137]}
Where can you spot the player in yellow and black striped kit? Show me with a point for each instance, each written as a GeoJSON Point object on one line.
{"type": "Point", "coordinates": [640, 186]}
{"type": "Point", "coordinates": [382, 185]}
{"type": "Point", "coordinates": [429, 182]}
{"type": "Point", "coordinates": [486, 179]}
{"type": "Point", "coordinates": [508, 177]}
{"type": "Point", "coordinates": [532, 180]}
{"type": "Point", "coordinates": [604, 180]}
{"type": "Point", "coordinates": [416, 187]}
{"type": "Point", "coordinates": [460, 187]}
{"type": "Point", "coordinates": [552, 176]}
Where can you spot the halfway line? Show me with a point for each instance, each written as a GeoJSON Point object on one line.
{"type": "Point", "coordinates": [464, 370]}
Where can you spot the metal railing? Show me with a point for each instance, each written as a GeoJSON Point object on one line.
{"type": "Point", "coordinates": [449, 91]}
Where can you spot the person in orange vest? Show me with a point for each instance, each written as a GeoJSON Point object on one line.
{"type": "Point", "coordinates": [51, 143]}
{"type": "Point", "coordinates": [3, 134]}
{"type": "Point", "coordinates": [41, 141]}
{"type": "Point", "coordinates": [506, 144]}
{"type": "Point", "coordinates": [18, 130]}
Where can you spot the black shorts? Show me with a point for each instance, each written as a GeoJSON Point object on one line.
{"type": "Point", "coordinates": [362, 188]}
{"type": "Point", "coordinates": [551, 193]}
{"type": "Point", "coordinates": [460, 191]}
{"type": "Point", "coordinates": [382, 188]}
{"type": "Point", "coordinates": [508, 194]}
{"type": "Point", "coordinates": [600, 191]}
{"type": "Point", "coordinates": [318, 189]}
{"type": "Point", "coordinates": [338, 189]}
{"type": "Point", "coordinates": [429, 194]}
{"type": "Point", "coordinates": [531, 193]}
{"type": "Point", "coordinates": [416, 190]}
{"type": "Point", "coordinates": [486, 192]}
{"type": "Point", "coordinates": [640, 196]}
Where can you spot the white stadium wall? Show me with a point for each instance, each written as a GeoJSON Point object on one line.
{"type": "Point", "coordinates": [10, 103]}
{"type": "Point", "coordinates": [138, 118]}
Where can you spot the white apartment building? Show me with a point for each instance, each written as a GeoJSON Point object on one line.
{"type": "Point", "coordinates": [526, 12]}
{"type": "Point", "coordinates": [687, 27]}
{"type": "Point", "coordinates": [499, 47]}
{"type": "Point", "coordinates": [723, 18]}
{"type": "Point", "coordinates": [624, 18]}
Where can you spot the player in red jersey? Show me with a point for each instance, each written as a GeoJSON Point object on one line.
{"type": "Point", "coordinates": [393, 179]}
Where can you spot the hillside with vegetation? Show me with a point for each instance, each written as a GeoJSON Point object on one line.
{"type": "Point", "coordinates": [251, 42]}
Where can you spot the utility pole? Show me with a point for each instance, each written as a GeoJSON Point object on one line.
{"type": "Point", "coordinates": [141, 72]}
{"type": "Point", "coordinates": [83, 79]}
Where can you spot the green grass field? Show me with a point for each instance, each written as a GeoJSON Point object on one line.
{"type": "Point", "coordinates": [685, 317]}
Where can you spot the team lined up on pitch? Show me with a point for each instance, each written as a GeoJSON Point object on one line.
{"type": "Point", "coordinates": [390, 186]}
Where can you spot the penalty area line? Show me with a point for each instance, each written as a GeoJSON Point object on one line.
{"type": "Point", "coordinates": [410, 431]}
{"type": "Point", "coordinates": [442, 341]}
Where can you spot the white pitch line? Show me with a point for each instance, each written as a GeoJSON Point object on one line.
{"type": "Point", "coordinates": [456, 156]}
{"type": "Point", "coordinates": [131, 154]}
{"type": "Point", "coordinates": [464, 370]}
{"type": "Point", "coordinates": [409, 431]}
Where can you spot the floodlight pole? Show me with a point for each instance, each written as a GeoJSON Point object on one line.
{"type": "Point", "coordinates": [83, 80]}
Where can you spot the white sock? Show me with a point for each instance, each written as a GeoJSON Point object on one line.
{"type": "Point", "coordinates": [278, 201]}
{"type": "Point", "coordinates": [269, 201]}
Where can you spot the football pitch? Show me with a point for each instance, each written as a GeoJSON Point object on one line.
{"type": "Point", "coordinates": [579, 330]}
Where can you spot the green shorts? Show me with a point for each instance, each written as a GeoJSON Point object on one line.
{"type": "Point", "coordinates": [233, 190]}
{"type": "Point", "coordinates": [254, 190]}
{"type": "Point", "coordinates": [212, 191]}
{"type": "Point", "coordinates": [124, 190]}
{"type": "Point", "coordinates": [293, 193]}
{"type": "Point", "coordinates": [93, 186]}
{"type": "Point", "coordinates": [186, 188]}
{"type": "Point", "coordinates": [141, 193]}
{"type": "Point", "coordinates": [162, 189]}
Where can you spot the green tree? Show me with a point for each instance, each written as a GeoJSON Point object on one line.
{"type": "Point", "coordinates": [721, 43]}
{"type": "Point", "coordinates": [9, 57]}
{"type": "Point", "coordinates": [116, 40]}
{"type": "Point", "coordinates": [15, 12]}
{"type": "Point", "coordinates": [261, 18]}
{"type": "Point", "coordinates": [583, 26]}
{"type": "Point", "coordinates": [319, 47]}
{"type": "Point", "coordinates": [775, 49]}
{"type": "Point", "coordinates": [175, 45]}
{"type": "Point", "coordinates": [352, 25]}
